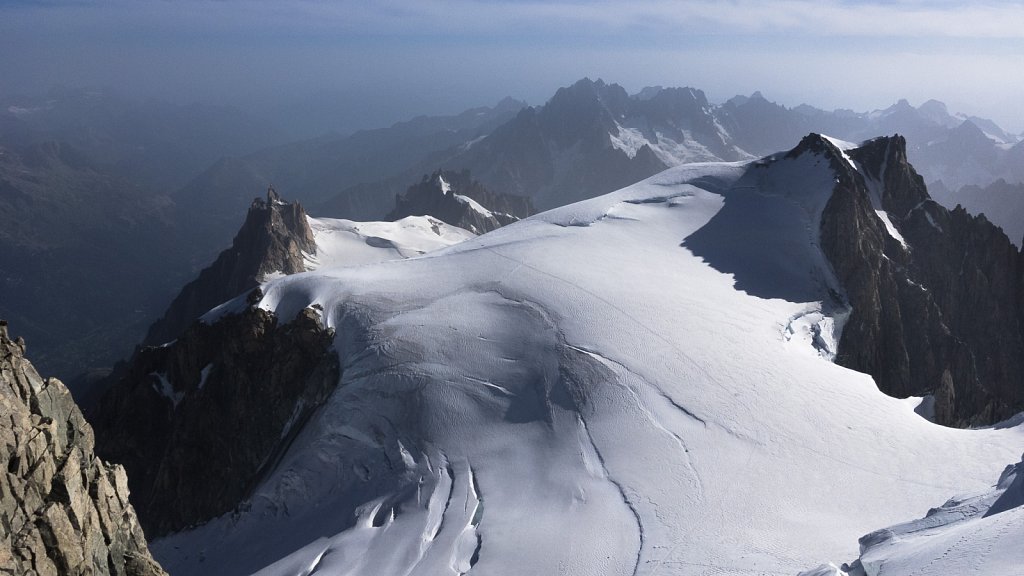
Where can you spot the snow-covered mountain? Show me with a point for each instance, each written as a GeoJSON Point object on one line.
{"type": "Point", "coordinates": [588, 139]}
{"type": "Point", "coordinates": [639, 383]}
{"type": "Point", "coordinates": [341, 243]}
{"type": "Point", "coordinates": [155, 410]}
{"type": "Point", "coordinates": [279, 238]}
{"type": "Point", "coordinates": [593, 137]}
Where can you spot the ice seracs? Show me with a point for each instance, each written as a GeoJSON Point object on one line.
{"type": "Point", "coordinates": [596, 390]}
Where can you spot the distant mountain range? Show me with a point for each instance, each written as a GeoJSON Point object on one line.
{"type": "Point", "coordinates": [92, 245]}
{"type": "Point", "coordinates": [328, 173]}
{"type": "Point", "coordinates": [159, 145]}
{"type": "Point", "coordinates": [77, 269]}
{"type": "Point", "coordinates": [183, 176]}
{"type": "Point", "coordinates": [594, 137]}
{"type": "Point", "coordinates": [732, 362]}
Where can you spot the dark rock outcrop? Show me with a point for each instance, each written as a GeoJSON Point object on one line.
{"type": "Point", "coordinates": [62, 510]}
{"type": "Point", "coordinates": [943, 315]}
{"type": "Point", "coordinates": [272, 239]}
{"type": "Point", "coordinates": [443, 195]}
{"type": "Point", "coordinates": [198, 421]}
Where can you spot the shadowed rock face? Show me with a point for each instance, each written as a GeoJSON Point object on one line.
{"type": "Point", "coordinates": [437, 195]}
{"type": "Point", "coordinates": [197, 422]}
{"type": "Point", "coordinates": [62, 510]}
{"type": "Point", "coordinates": [272, 239]}
{"type": "Point", "coordinates": [943, 316]}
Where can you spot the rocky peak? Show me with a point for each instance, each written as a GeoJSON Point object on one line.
{"type": "Point", "coordinates": [273, 197]}
{"type": "Point", "coordinates": [456, 199]}
{"type": "Point", "coordinates": [939, 311]}
{"type": "Point", "coordinates": [686, 107]}
{"type": "Point", "coordinates": [272, 239]}
{"type": "Point", "coordinates": [63, 511]}
{"type": "Point", "coordinates": [901, 105]}
{"type": "Point", "coordinates": [584, 111]}
{"type": "Point", "coordinates": [882, 160]}
{"type": "Point", "coordinates": [816, 144]}
{"type": "Point", "coordinates": [885, 160]}
{"type": "Point", "coordinates": [936, 112]}
{"type": "Point", "coordinates": [509, 104]}
{"type": "Point", "coordinates": [970, 135]}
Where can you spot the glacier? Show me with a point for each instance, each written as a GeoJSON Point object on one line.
{"type": "Point", "coordinates": [581, 393]}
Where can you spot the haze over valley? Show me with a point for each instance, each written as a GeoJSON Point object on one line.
{"type": "Point", "coordinates": [466, 287]}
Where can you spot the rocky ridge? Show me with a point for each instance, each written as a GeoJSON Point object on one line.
{"type": "Point", "coordinates": [63, 511]}
{"type": "Point", "coordinates": [198, 421]}
{"type": "Point", "coordinates": [456, 199]}
{"type": "Point", "coordinates": [938, 303]}
{"type": "Point", "coordinates": [156, 416]}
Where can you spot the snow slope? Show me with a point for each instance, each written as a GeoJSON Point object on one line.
{"type": "Point", "coordinates": [346, 243]}
{"type": "Point", "coordinates": [975, 533]}
{"type": "Point", "coordinates": [579, 393]}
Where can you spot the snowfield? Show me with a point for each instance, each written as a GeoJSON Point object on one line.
{"type": "Point", "coordinates": [581, 393]}
{"type": "Point", "coordinates": [343, 243]}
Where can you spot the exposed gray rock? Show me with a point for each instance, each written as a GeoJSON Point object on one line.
{"type": "Point", "coordinates": [63, 511]}
{"type": "Point", "coordinates": [199, 421]}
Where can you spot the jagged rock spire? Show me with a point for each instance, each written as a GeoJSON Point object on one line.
{"type": "Point", "coordinates": [273, 238]}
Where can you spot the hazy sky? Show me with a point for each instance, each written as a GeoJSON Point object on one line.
{"type": "Point", "coordinates": [384, 61]}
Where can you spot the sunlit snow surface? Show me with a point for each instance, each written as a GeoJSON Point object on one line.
{"type": "Point", "coordinates": [579, 394]}
{"type": "Point", "coordinates": [342, 243]}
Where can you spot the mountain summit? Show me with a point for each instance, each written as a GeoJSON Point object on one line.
{"type": "Point", "coordinates": [272, 240]}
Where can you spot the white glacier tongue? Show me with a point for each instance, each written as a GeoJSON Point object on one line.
{"type": "Point", "coordinates": [580, 393]}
